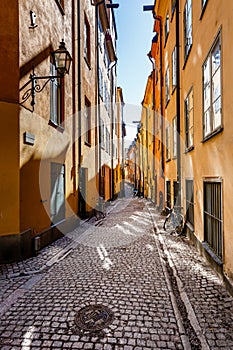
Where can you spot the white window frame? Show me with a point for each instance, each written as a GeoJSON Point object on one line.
{"type": "Point", "coordinates": [189, 120]}
{"type": "Point", "coordinates": [188, 39]}
{"type": "Point", "coordinates": [174, 68]}
{"type": "Point", "coordinates": [174, 137]}
{"type": "Point", "coordinates": [212, 91]}
{"type": "Point", "coordinates": [167, 85]}
{"type": "Point", "coordinates": [55, 97]}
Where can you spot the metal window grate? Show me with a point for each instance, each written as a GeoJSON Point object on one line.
{"type": "Point", "coordinates": [213, 223]}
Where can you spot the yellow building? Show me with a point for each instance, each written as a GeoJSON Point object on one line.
{"type": "Point", "coordinates": [50, 134]}
{"type": "Point", "coordinates": [196, 100]}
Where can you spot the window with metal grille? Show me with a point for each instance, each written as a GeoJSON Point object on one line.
{"type": "Point", "coordinates": [189, 202]}
{"type": "Point", "coordinates": [168, 188]}
{"type": "Point", "coordinates": [213, 223]}
{"type": "Point", "coordinates": [188, 36]}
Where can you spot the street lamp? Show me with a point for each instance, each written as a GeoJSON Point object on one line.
{"type": "Point", "coordinates": [61, 60]}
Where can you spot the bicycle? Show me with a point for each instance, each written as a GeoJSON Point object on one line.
{"type": "Point", "coordinates": [174, 222]}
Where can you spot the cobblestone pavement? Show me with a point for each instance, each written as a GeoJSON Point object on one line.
{"type": "Point", "coordinates": [162, 293]}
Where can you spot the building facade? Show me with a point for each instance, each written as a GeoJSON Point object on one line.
{"type": "Point", "coordinates": [52, 157]}
{"type": "Point", "coordinates": [191, 76]}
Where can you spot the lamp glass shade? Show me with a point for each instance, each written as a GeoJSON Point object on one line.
{"type": "Point", "coordinates": [62, 59]}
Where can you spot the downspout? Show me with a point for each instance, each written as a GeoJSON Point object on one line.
{"type": "Point", "coordinates": [112, 123]}
{"type": "Point", "coordinates": [178, 102]}
{"type": "Point", "coordinates": [73, 99]}
{"type": "Point", "coordinates": [79, 100]}
{"type": "Point", "coordinates": [97, 92]}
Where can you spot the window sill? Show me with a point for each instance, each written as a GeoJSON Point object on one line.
{"type": "Point", "coordinates": [189, 149]}
{"type": "Point", "coordinates": [203, 10]}
{"type": "Point", "coordinates": [214, 133]}
{"type": "Point", "coordinates": [88, 144]}
{"type": "Point", "coordinates": [187, 56]}
{"type": "Point", "coordinates": [208, 249]}
{"type": "Point", "coordinates": [168, 160]}
{"type": "Point", "coordinates": [56, 126]}
{"type": "Point", "coordinates": [60, 7]}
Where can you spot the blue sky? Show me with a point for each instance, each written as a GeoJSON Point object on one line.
{"type": "Point", "coordinates": [135, 32]}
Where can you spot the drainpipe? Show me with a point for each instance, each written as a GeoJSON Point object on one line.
{"type": "Point", "coordinates": [178, 101]}
{"type": "Point", "coordinates": [97, 92]}
{"type": "Point", "coordinates": [112, 123]}
{"type": "Point", "coordinates": [79, 99]}
{"type": "Point", "coordinates": [73, 98]}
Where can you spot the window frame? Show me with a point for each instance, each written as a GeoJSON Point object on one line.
{"type": "Point", "coordinates": [187, 14]}
{"type": "Point", "coordinates": [187, 127]}
{"type": "Point", "coordinates": [56, 98]}
{"type": "Point", "coordinates": [87, 41]}
{"type": "Point", "coordinates": [167, 85]}
{"type": "Point", "coordinates": [87, 117]}
{"type": "Point", "coordinates": [168, 143]}
{"type": "Point", "coordinates": [174, 137]}
{"type": "Point", "coordinates": [174, 68]}
{"type": "Point", "coordinates": [189, 201]}
{"type": "Point", "coordinates": [213, 130]}
{"type": "Point", "coordinates": [173, 8]}
{"type": "Point", "coordinates": [166, 28]}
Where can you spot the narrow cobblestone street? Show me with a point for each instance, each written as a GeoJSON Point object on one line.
{"type": "Point", "coordinates": [162, 293]}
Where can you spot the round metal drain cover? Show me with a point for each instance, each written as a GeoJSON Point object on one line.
{"type": "Point", "coordinates": [94, 317]}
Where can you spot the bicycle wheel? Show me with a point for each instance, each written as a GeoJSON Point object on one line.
{"type": "Point", "coordinates": [169, 224]}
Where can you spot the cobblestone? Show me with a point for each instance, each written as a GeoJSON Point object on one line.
{"type": "Point", "coordinates": [117, 264]}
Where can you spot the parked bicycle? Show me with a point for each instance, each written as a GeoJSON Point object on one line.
{"type": "Point", "coordinates": [174, 222]}
{"type": "Point", "coordinates": [100, 209]}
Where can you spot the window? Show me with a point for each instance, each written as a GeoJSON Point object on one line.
{"type": "Point", "coordinates": [166, 31]}
{"type": "Point", "coordinates": [168, 147]}
{"type": "Point", "coordinates": [167, 87]}
{"type": "Point", "coordinates": [204, 2]}
{"type": "Point", "coordinates": [187, 28]}
{"type": "Point", "coordinates": [213, 223]}
{"type": "Point", "coordinates": [189, 202]}
{"type": "Point", "coordinates": [212, 102]}
{"type": "Point", "coordinates": [173, 3]}
{"type": "Point", "coordinates": [188, 106]}
{"type": "Point", "coordinates": [57, 194]}
{"type": "Point", "coordinates": [100, 37]}
{"type": "Point", "coordinates": [175, 193]}
{"type": "Point", "coordinates": [174, 138]}
{"type": "Point", "coordinates": [87, 121]}
{"type": "Point", "coordinates": [168, 188]}
{"type": "Point", "coordinates": [102, 140]}
{"type": "Point", "coordinates": [101, 86]}
{"type": "Point", "coordinates": [174, 67]}
{"type": "Point", "coordinates": [107, 141]}
{"type": "Point", "coordinates": [55, 98]}
{"type": "Point", "coordinates": [87, 37]}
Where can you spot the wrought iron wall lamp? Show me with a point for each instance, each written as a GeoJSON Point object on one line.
{"type": "Point", "coordinates": [61, 60]}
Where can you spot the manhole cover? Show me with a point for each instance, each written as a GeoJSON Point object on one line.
{"type": "Point", "coordinates": [94, 317]}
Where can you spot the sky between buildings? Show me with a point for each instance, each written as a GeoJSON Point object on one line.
{"type": "Point", "coordinates": [135, 32]}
